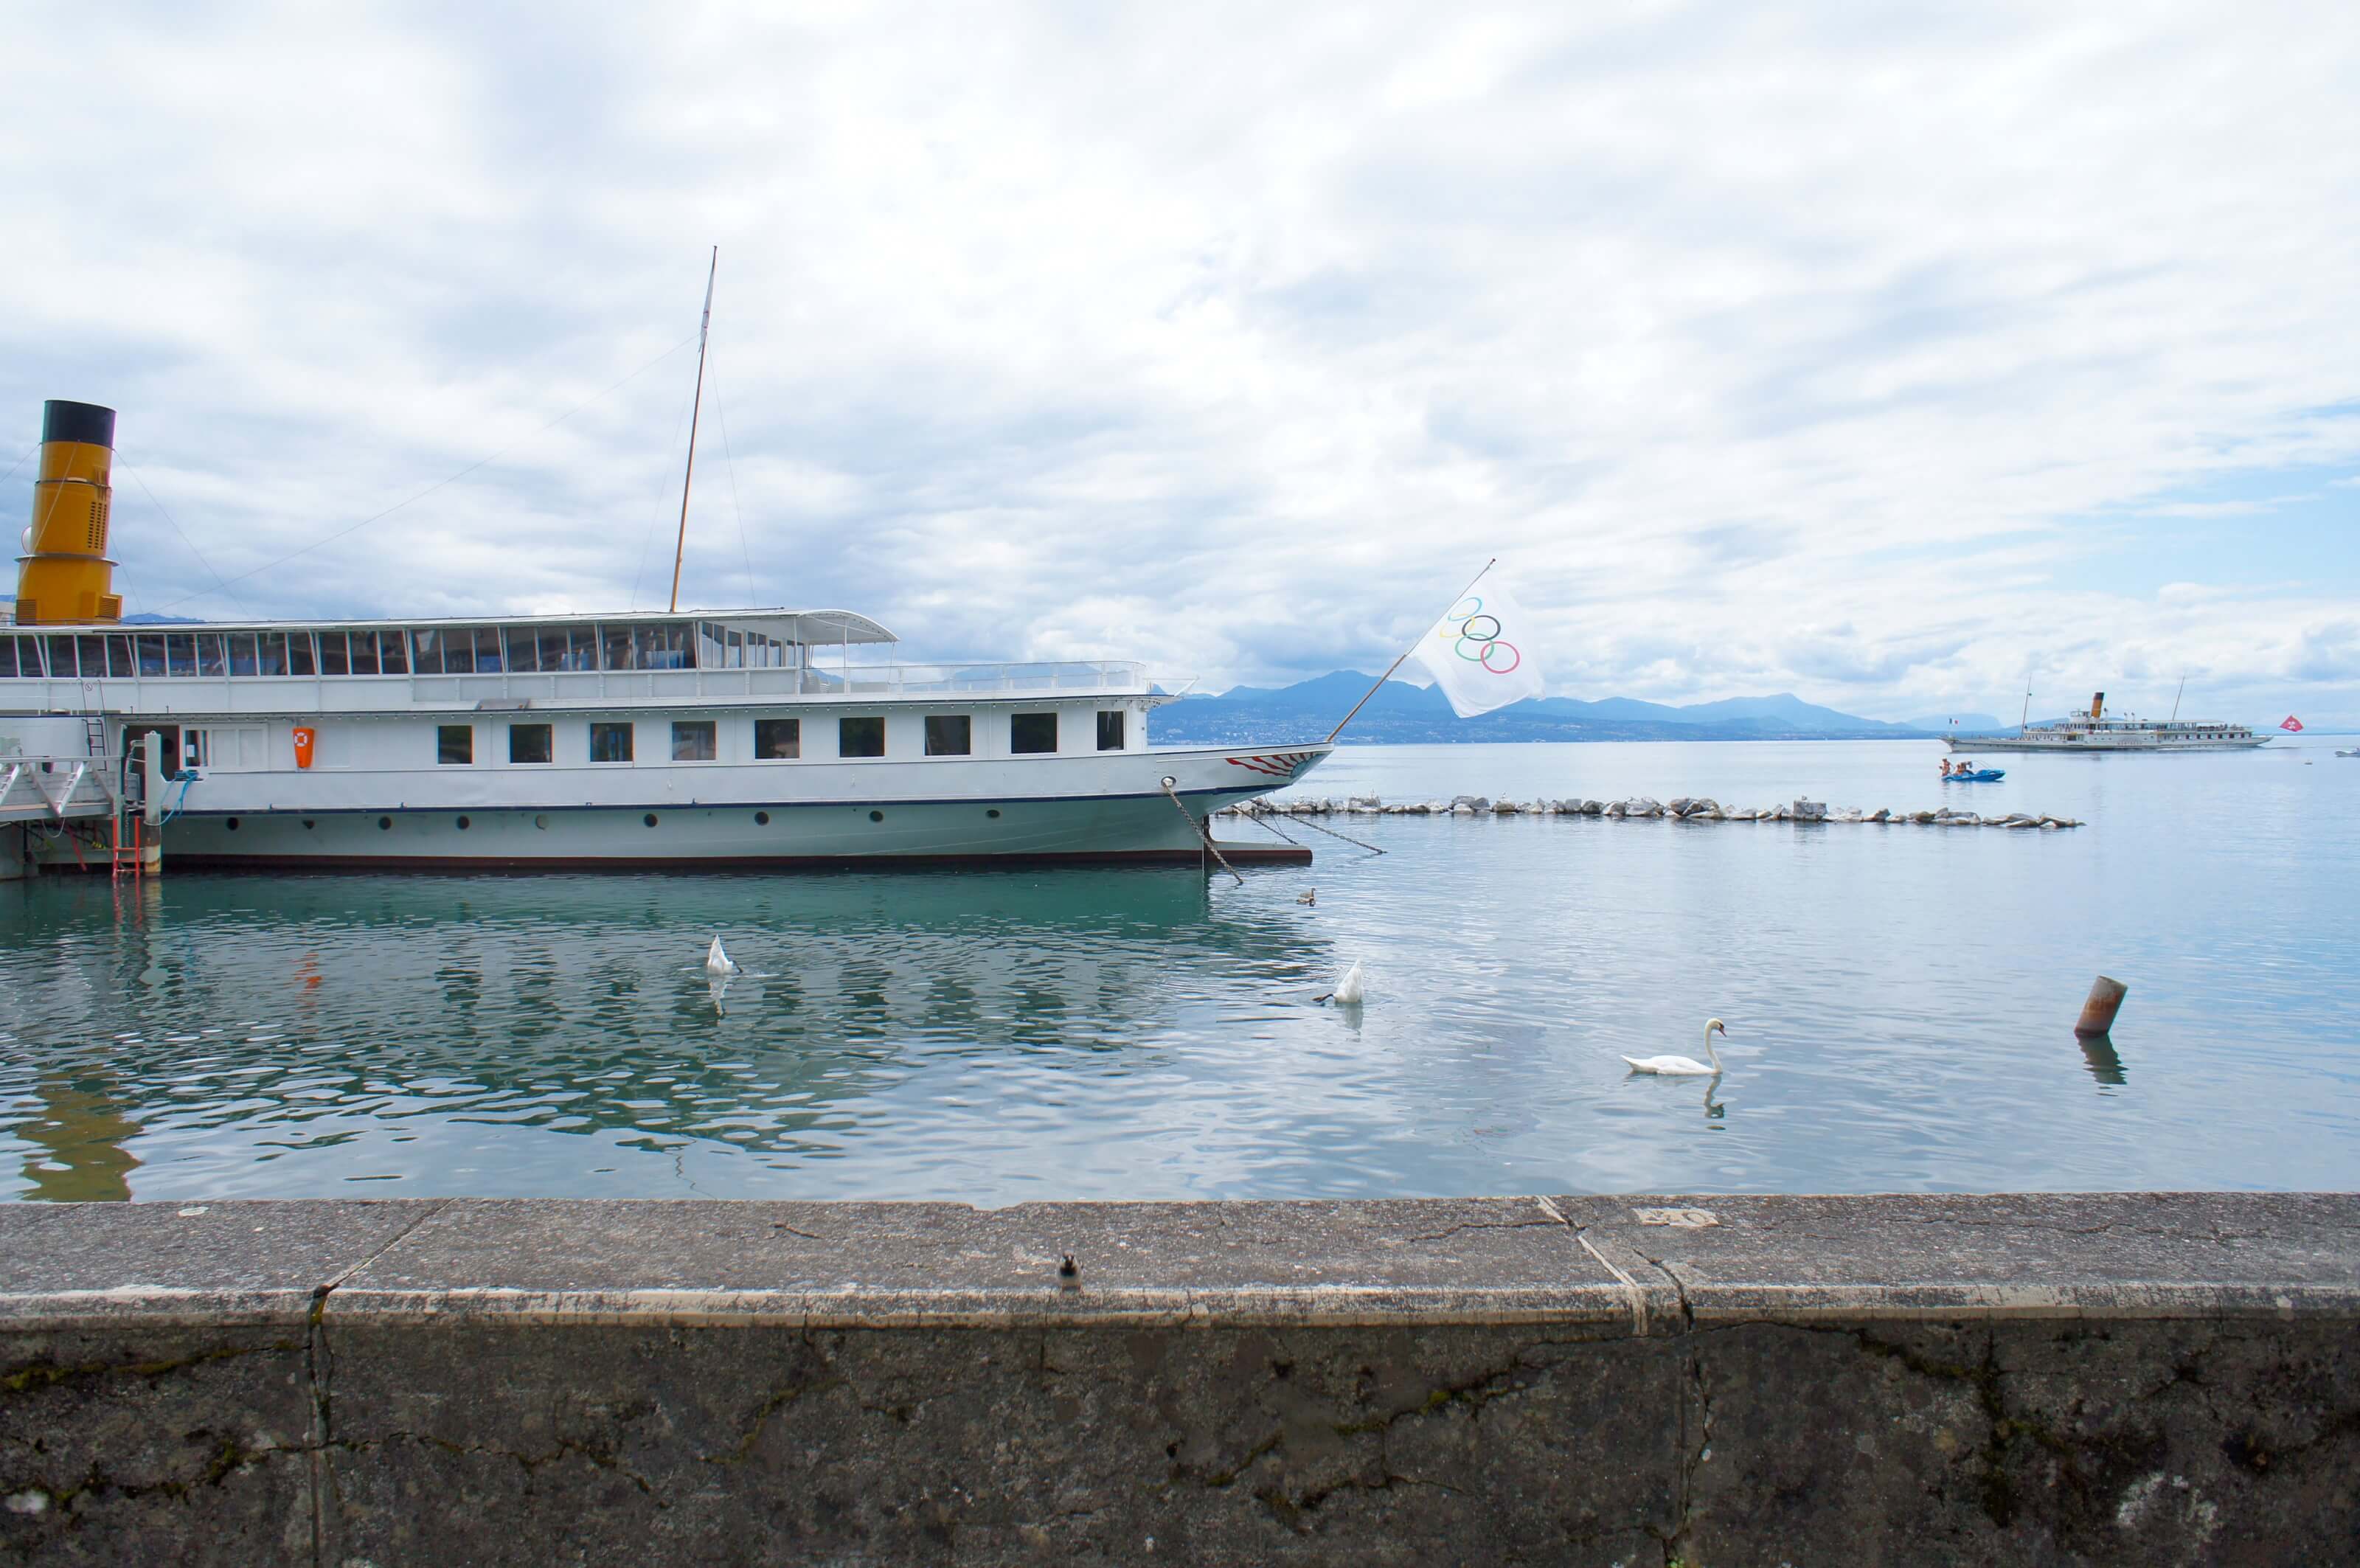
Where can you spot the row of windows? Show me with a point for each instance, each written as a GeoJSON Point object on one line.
{"type": "Point", "coordinates": [698, 739]}
{"type": "Point", "coordinates": [437, 650]}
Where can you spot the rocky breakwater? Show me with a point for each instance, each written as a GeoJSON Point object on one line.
{"type": "Point", "coordinates": [1681, 808]}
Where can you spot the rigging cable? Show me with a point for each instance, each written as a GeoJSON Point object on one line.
{"type": "Point", "coordinates": [208, 565]}
{"type": "Point", "coordinates": [481, 461]}
{"type": "Point", "coordinates": [730, 462]}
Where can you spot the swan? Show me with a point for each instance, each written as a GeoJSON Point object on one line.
{"type": "Point", "coordinates": [1351, 987]}
{"type": "Point", "coordinates": [1684, 1067]}
{"type": "Point", "coordinates": [717, 962]}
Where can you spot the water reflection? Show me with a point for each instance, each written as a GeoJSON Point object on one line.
{"type": "Point", "coordinates": [80, 1133]}
{"type": "Point", "coordinates": [305, 1014]}
{"type": "Point", "coordinates": [2106, 1066]}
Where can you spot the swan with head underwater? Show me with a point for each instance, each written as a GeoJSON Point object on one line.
{"type": "Point", "coordinates": [1686, 1067]}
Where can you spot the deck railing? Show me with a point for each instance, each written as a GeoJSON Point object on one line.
{"type": "Point", "coordinates": [268, 695]}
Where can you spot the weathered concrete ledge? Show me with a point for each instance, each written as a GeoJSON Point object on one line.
{"type": "Point", "coordinates": [2160, 1378]}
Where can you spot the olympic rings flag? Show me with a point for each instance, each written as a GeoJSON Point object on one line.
{"type": "Point", "coordinates": [1478, 654]}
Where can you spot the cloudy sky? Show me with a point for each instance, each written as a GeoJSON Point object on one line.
{"type": "Point", "coordinates": [1878, 354]}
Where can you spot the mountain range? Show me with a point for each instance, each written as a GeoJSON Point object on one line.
{"type": "Point", "coordinates": [1402, 714]}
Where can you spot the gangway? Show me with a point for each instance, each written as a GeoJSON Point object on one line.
{"type": "Point", "coordinates": [59, 793]}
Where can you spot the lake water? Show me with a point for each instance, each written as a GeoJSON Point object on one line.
{"type": "Point", "coordinates": [1899, 1002]}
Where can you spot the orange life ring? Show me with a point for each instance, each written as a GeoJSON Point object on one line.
{"type": "Point", "coordinates": [304, 736]}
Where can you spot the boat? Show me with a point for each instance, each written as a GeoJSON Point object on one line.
{"type": "Point", "coordinates": [711, 739]}
{"type": "Point", "coordinates": [2100, 731]}
{"type": "Point", "coordinates": [1980, 775]}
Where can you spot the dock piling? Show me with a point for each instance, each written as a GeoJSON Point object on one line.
{"type": "Point", "coordinates": [2098, 1013]}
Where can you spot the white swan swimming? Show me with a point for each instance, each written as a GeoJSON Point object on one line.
{"type": "Point", "coordinates": [1351, 987]}
{"type": "Point", "coordinates": [716, 961]}
{"type": "Point", "coordinates": [1684, 1067]}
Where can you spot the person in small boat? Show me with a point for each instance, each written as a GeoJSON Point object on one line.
{"type": "Point", "coordinates": [1946, 767]}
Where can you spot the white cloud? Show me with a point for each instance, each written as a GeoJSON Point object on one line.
{"type": "Point", "coordinates": [1771, 350]}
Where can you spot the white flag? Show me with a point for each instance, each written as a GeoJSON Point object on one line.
{"type": "Point", "coordinates": [1479, 655]}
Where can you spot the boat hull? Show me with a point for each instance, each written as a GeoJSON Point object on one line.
{"type": "Point", "coordinates": [2017, 743]}
{"type": "Point", "coordinates": [1112, 824]}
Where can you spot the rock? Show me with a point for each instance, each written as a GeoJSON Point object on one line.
{"type": "Point", "coordinates": [1880, 815]}
{"type": "Point", "coordinates": [1506, 808]}
{"type": "Point", "coordinates": [1616, 810]}
{"type": "Point", "coordinates": [1850, 813]}
{"type": "Point", "coordinates": [1810, 810]}
{"type": "Point", "coordinates": [1679, 806]}
{"type": "Point", "coordinates": [1593, 808]}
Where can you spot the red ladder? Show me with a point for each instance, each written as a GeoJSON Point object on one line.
{"type": "Point", "coordinates": [125, 856]}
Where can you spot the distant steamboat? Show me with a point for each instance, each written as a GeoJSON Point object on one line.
{"type": "Point", "coordinates": [706, 739]}
{"type": "Point", "coordinates": [2098, 732]}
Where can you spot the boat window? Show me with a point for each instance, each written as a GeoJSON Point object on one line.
{"type": "Point", "coordinates": [663, 648]}
{"type": "Point", "coordinates": [530, 743]}
{"type": "Point", "coordinates": [615, 653]}
{"type": "Point", "coordinates": [610, 742]}
{"type": "Point", "coordinates": [524, 649]}
{"type": "Point", "coordinates": [332, 660]}
{"type": "Point", "coordinates": [300, 661]}
{"type": "Point", "coordinates": [211, 658]}
{"type": "Point", "coordinates": [550, 646]}
{"type": "Point", "coordinates": [1110, 730]}
{"type": "Point", "coordinates": [94, 658]}
{"type": "Point", "coordinates": [487, 650]}
{"type": "Point", "coordinates": [364, 652]}
{"type": "Point", "coordinates": [8, 658]}
{"type": "Point", "coordinates": [392, 648]}
{"type": "Point", "coordinates": [270, 653]}
{"type": "Point", "coordinates": [61, 658]}
{"type": "Point", "coordinates": [119, 663]}
{"type": "Point", "coordinates": [458, 652]}
{"type": "Point", "coordinates": [426, 653]}
{"type": "Point", "coordinates": [735, 657]}
{"type": "Point", "coordinates": [241, 653]}
{"type": "Point", "coordinates": [693, 740]}
{"type": "Point", "coordinates": [180, 653]}
{"type": "Point", "coordinates": [861, 737]}
{"type": "Point", "coordinates": [949, 735]}
{"type": "Point", "coordinates": [1030, 732]}
{"type": "Point", "coordinates": [151, 655]}
{"type": "Point", "coordinates": [777, 738]}
{"type": "Point", "coordinates": [454, 744]}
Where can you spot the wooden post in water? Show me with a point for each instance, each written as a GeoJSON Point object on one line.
{"type": "Point", "coordinates": [2098, 1013]}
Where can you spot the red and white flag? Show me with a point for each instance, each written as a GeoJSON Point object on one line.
{"type": "Point", "coordinates": [2292, 725]}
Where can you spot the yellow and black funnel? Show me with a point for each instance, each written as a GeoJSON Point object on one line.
{"type": "Point", "coordinates": [64, 575]}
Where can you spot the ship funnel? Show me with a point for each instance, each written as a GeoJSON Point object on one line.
{"type": "Point", "coordinates": [64, 575]}
{"type": "Point", "coordinates": [2097, 707]}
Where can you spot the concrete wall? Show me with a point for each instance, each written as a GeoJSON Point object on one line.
{"type": "Point", "coordinates": [1568, 1380]}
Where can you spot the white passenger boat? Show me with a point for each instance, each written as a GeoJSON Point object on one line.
{"type": "Point", "coordinates": [745, 738]}
{"type": "Point", "coordinates": [2099, 731]}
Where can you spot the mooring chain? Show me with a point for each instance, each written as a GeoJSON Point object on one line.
{"type": "Point", "coordinates": [1204, 830]}
{"type": "Point", "coordinates": [1300, 822]}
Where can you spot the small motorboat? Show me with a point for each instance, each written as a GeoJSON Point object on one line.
{"type": "Point", "coordinates": [1981, 775]}
{"type": "Point", "coordinates": [2355, 751]}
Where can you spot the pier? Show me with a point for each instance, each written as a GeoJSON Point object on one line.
{"type": "Point", "coordinates": [2025, 1378]}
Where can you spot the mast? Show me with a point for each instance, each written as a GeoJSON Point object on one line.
{"type": "Point", "coordinates": [2024, 723]}
{"type": "Point", "coordinates": [2176, 697]}
{"type": "Point", "coordinates": [704, 324]}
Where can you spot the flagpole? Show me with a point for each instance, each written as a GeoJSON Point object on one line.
{"type": "Point", "coordinates": [1405, 654]}
{"type": "Point", "coordinates": [703, 326]}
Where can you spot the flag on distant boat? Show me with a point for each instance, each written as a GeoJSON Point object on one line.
{"type": "Point", "coordinates": [1480, 652]}
{"type": "Point", "coordinates": [2292, 724]}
